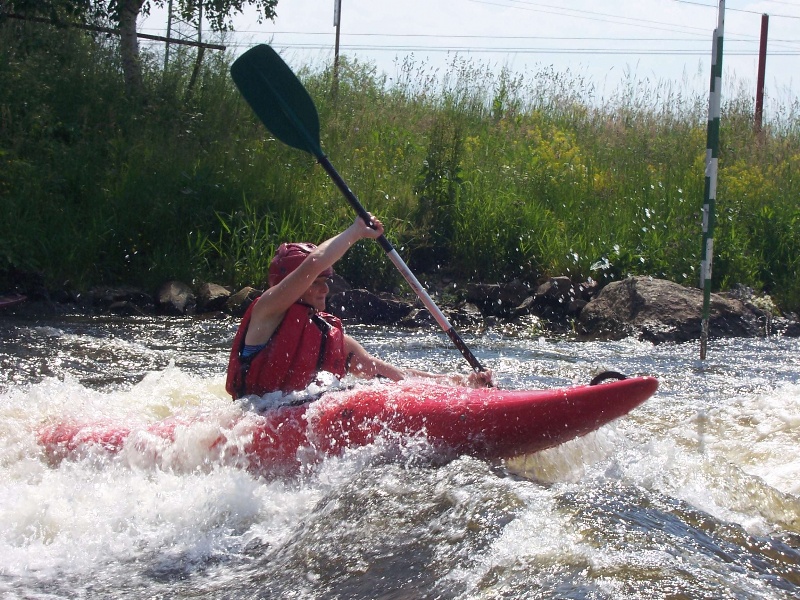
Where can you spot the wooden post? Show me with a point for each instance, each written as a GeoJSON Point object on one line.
{"type": "Point", "coordinates": [762, 69]}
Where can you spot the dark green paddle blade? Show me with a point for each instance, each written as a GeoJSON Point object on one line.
{"type": "Point", "coordinates": [278, 98]}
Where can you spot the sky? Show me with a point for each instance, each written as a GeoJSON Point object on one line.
{"type": "Point", "coordinates": [608, 44]}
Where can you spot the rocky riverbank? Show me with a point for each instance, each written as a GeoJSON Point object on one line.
{"type": "Point", "coordinates": [649, 309]}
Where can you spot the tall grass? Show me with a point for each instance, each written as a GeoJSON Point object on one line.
{"type": "Point", "coordinates": [477, 173]}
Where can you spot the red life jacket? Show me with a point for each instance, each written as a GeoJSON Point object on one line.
{"type": "Point", "coordinates": [305, 343]}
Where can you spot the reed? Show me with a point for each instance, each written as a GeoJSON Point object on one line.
{"type": "Point", "coordinates": [478, 173]}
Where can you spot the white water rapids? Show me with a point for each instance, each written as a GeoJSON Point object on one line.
{"type": "Point", "coordinates": [696, 494]}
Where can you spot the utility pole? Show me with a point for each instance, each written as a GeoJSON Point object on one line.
{"type": "Point", "coordinates": [337, 14]}
{"type": "Point", "coordinates": [762, 69]}
{"type": "Point", "coordinates": [180, 26]}
{"type": "Point", "coordinates": [169, 33]}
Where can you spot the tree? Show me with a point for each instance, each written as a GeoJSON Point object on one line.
{"type": "Point", "coordinates": [124, 14]}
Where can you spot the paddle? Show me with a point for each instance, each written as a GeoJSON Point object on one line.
{"type": "Point", "coordinates": [283, 105]}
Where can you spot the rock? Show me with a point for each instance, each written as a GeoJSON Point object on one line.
{"type": "Point", "coordinates": [588, 290]}
{"type": "Point", "coordinates": [175, 298]}
{"type": "Point", "coordinates": [29, 283]}
{"type": "Point", "coordinates": [466, 315]}
{"type": "Point", "coordinates": [576, 305]}
{"type": "Point", "coordinates": [367, 308]}
{"type": "Point", "coordinates": [557, 302]}
{"type": "Point", "coordinates": [788, 325]}
{"type": "Point", "coordinates": [106, 297]}
{"type": "Point", "coordinates": [658, 311]}
{"type": "Point", "coordinates": [125, 308]}
{"type": "Point", "coordinates": [523, 309]}
{"type": "Point", "coordinates": [792, 329]}
{"type": "Point", "coordinates": [212, 297]}
{"type": "Point", "coordinates": [361, 306]}
{"type": "Point", "coordinates": [65, 296]}
{"type": "Point", "coordinates": [554, 298]}
{"type": "Point", "coordinates": [418, 317]}
{"type": "Point", "coordinates": [556, 289]}
{"type": "Point", "coordinates": [238, 303]}
{"type": "Point", "coordinates": [337, 285]}
{"type": "Point", "coordinates": [496, 299]}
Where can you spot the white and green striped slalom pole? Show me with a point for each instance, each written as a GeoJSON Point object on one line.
{"type": "Point", "coordinates": [712, 164]}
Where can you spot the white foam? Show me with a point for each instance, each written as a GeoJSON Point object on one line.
{"type": "Point", "coordinates": [98, 513]}
{"type": "Point", "coordinates": [737, 460]}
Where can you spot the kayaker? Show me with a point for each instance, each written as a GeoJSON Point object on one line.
{"type": "Point", "coordinates": [285, 337]}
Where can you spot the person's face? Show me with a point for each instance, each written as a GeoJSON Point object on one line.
{"type": "Point", "coordinates": [316, 293]}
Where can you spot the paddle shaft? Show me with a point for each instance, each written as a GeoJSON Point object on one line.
{"type": "Point", "coordinates": [407, 274]}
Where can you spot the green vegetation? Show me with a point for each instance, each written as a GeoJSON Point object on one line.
{"type": "Point", "coordinates": [476, 175]}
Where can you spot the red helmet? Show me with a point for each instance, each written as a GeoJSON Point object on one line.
{"type": "Point", "coordinates": [287, 258]}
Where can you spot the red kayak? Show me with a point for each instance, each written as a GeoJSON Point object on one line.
{"type": "Point", "coordinates": [484, 423]}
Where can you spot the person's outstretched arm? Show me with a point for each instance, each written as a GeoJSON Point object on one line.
{"type": "Point", "coordinates": [276, 300]}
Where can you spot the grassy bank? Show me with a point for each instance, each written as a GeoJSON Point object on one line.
{"type": "Point", "coordinates": [480, 175]}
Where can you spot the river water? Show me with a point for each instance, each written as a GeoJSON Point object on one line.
{"type": "Point", "coordinates": [695, 494]}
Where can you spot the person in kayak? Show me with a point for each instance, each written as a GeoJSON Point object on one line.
{"type": "Point", "coordinates": [286, 338]}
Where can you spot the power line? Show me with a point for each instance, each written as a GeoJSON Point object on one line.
{"type": "Point", "coordinates": [794, 4]}
{"type": "Point", "coordinates": [527, 3]}
{"type": "Point", "coordinates": [460, 47]}
{"type": "Point", "coordinates": [593, 16]}
{"type": "Point", "coordinates": [516, 50]}
{"type": "Point", "coordinates": [495, 37]}
{"type": "Point", "coordinates": [617, 19]}
{"type": "Point", "coordinates": [741, 10]}
{"type": "Point", "coordinates": [611, 18]}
